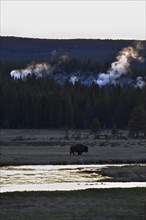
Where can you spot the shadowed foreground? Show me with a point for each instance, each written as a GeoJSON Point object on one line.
{"type": "Point", "coordinates": [111, 204]}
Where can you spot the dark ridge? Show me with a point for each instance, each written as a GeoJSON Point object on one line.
{"type": "Point", "coordinates": [33, 49]}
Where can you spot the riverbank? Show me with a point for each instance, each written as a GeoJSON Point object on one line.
{"type": "Point", "coordinates": [49, 147]}
{"type": "Point", "coordinates": [34, 147]}
{"type": "Point", "coordinates": [92, 204]}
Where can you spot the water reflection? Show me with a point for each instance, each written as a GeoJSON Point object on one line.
{"type": "Point", "coordinates": [49, 174]}
{"type": "Point", "coordinates": [55, 177]}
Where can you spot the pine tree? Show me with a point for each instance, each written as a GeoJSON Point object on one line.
{"type": "Point", "coordinates": [95, 126]}
{"type": "Point", "coordinates": [114, 129]}
{"type": "Point", "coordinates": [137, 122]}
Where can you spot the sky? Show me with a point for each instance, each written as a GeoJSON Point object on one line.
{"type": "Point", "coordinates": [106, 19]}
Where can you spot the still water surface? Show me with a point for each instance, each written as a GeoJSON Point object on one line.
{"type": "Point", "coordinates": [57, 177]}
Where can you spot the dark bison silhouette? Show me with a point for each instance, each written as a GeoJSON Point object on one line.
{"type": "Point", "coordinates": [78, 148]}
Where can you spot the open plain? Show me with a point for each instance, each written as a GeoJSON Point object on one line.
{"type": "Point", "coordinates": [24, 147]}
{"type": "Point", "coordinates": [107, 204]}
{"type": "Point", "coordinates": [44, 147]}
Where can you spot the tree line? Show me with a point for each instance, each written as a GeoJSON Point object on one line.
{"type": "Point", "coordinates": [43, 103]}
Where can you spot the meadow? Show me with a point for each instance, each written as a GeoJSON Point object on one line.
{"type": "Point", "coordinates": [107, 204]}
{"type": "Point", "coordinates": [44, 147]}
{"type": "Point", "coordinates": [34, 147]}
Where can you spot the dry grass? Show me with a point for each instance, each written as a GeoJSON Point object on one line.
{"type": "Point", "coordinates": [125, 174]}
{"type": "Point", "coordinates": [110, 204]}
{"type": "Point", "coordinates": [51, 147]}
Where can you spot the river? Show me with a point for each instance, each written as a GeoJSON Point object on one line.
{"type": "Point", "coordinates": [57, 177]}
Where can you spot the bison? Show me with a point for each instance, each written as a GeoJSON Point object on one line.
{"type": "Point", "coordinates": [79, 148]}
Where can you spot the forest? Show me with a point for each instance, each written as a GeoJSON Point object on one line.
{"type": "Point", "coordinates": [44, 103]}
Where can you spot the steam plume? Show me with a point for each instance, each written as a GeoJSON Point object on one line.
{"type": "Point", "coordinates": [121, 66]}
{"type": "Point", "coordinates": [39, 70]}
{"type": "Point", "coordinates": [117, 73]}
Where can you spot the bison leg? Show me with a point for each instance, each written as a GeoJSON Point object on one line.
{"type": "Point", "coordinates": [79, 153]}
{"type": "Point", "coordinates": [72, 152]}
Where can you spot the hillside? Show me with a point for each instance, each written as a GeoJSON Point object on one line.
{"type": "Point", "coordinates": [28, 50]}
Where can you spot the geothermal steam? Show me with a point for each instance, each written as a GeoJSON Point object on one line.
{"type": "Point", "coordinates": [39, 70]}
{"type": "Point", "coordinates": [116, 75]}
{"type": "Point", "coordinates": [121, 67]}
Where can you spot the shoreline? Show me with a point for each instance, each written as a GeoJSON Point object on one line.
{"type": "Point", "coordinates": [71, 177]}
{"type": "Point", "coordinates": [100, 162]}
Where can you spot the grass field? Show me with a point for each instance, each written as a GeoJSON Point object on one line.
{"type": "Point", "coordinates": [134, 173]}
{"type": "Point", "coordinates": [20, 147]}
{"type": "Point", "coordinates": [107, 204]}
{"type": "Point", "coordinates": [34, 147]}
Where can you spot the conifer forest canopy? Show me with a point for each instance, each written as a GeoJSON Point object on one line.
{"type": "Point", "coordinates": [58, 102]}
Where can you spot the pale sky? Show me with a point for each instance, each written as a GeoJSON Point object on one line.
{"type": "Point", "coordinates": [106, 19]}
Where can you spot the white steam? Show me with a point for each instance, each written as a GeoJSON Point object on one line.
{"type": "Point", "coordinates": [139, 82]}
{"type": "Point", "coordinates": [121, 66]}
{"type": "Point", "coordinates": [116, 75]}
{"type": "Point", "coordinates": [39, 70]}
{"type": "Point", "coordinates": [73, 79]}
